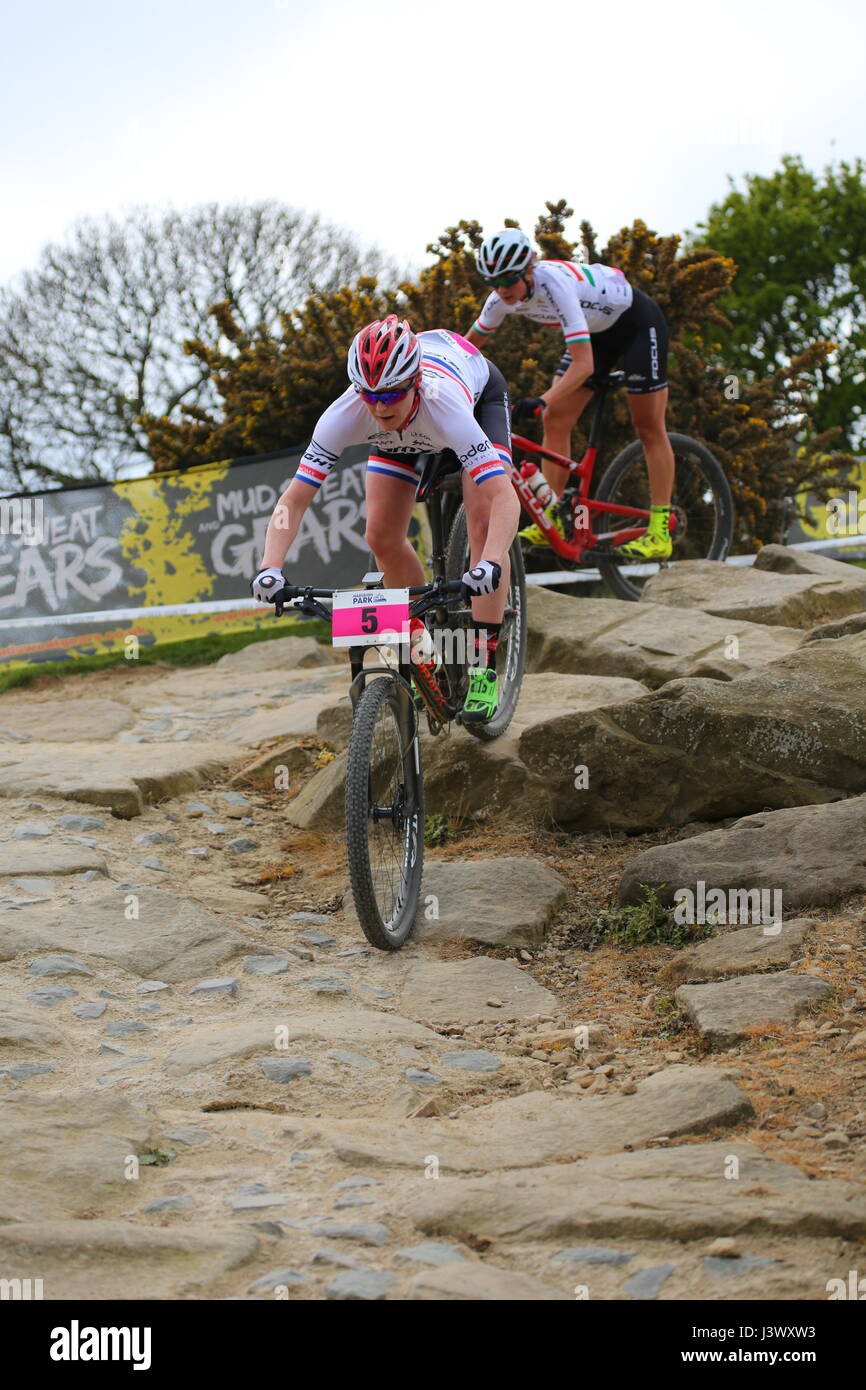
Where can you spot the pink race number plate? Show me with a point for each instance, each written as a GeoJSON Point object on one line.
{"type": "Point", "coordinates": [370, 617]}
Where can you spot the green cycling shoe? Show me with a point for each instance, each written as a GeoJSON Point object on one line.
{"type": "Point", "coordinates": [482, 697]}
{"type": "Point", "coordinates": [533, 535]}
{"type": "Point", "coordinates": [655, 543]}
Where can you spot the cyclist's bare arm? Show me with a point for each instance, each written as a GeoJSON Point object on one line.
{"type": "Point", "coordinates": [477, 339]}
{"type": "Point", "coordinates": [283, 525]}
{"type": "Point", "coordinates": [565, 385]}
{"type": "Point", "coordinates": [504, 519]}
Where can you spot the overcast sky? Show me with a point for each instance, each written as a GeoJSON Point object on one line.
{"type": "Point", "coordinates": [396, 119]}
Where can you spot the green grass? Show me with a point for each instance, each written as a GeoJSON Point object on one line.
{"type": "Point", "coordinates": [648, 923]}
{"type": "Point", "coordinates": [191, 651]}
{"type": "Point", "coordinates": [437, 831]}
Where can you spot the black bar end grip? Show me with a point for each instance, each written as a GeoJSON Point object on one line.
{"type": "Point", "coordinates": [531, 407]}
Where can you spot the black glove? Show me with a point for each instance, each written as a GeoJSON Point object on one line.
{"type": "Point", "coordinates": [532, 407]}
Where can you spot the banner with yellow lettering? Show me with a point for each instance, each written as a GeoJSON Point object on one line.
{"type": "Point", "coordinates": [78, 566]}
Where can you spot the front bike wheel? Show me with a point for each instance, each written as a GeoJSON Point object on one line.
{"type": "Point", "coordinates": [701, 501]}
{"type": "Point", "coordinates": [511, 654]}
{"type": "Point", "coordinates": [385, 814]}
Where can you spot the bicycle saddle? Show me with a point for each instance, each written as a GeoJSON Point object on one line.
{"type": "Point", "coordinates": [436, 467]}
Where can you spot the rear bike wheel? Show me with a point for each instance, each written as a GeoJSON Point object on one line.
{"type": "Point", "coordinates": [701, 501]}
{"type": "Point", "coordinates": [385, 814]}
{"type": "Point", "coordinates": [511, 654]}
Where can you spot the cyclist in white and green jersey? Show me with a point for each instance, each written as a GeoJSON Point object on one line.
{"type": "Point", "coordinates": [604, 321]}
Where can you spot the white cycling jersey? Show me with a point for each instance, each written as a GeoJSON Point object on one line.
{"type": "Point", "coordinates": [582, 299]}
{"type": "Point", "coordinates": [454, 375]}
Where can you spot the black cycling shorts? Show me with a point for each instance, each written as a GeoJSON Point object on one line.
{"type": "Point", "coordinates": [492, 411]}
{"type": "Point", "coordinates": [638, 342]}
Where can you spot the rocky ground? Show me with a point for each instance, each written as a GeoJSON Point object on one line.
{"type": "Point", "coordinates": [211, 1087]}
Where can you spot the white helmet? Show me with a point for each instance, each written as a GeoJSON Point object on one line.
{"type": "Point", "coordinates": [508, 251]}
{"type": "Point", "coordinates": [384, 354]}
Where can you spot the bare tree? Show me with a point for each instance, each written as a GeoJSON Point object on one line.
{"type": "Point", "coordinates": [93, 338]}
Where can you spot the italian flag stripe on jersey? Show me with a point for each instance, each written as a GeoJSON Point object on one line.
{"type": "Point", "coordinates": [568, 265]}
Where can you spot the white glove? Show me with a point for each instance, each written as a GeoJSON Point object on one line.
{"type": "Point", "coordinates": [267, 584]}
{"type": "Point", "coordinates": [484, 579]}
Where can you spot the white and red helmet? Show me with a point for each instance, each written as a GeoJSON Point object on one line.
{"type": "Point", "coordinates": [384, 354]}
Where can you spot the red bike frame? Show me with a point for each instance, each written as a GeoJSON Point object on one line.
{"type": "Point", "coordinates": [584, 539]}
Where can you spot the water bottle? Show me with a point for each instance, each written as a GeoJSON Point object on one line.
{"type": "Point", "coordinates": [539, 484]}
{"type": "Point", "coordinates": [422, 649]}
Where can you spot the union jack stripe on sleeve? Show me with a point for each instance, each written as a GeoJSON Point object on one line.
{"type": "Point", "coordinates": [309, 473]}
{"type": "Point", "coordinates": [492, 468]}
{"type": "Point", "coordinates": [315, 465]}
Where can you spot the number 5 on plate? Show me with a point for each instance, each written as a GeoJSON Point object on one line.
{"type": "Point", "coordinates": [370, 617]}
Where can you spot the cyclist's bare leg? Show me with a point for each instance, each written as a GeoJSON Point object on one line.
{"type": "Point", "coordinates": [648, 417]}
{"type": "Point", "coordinates": [560, 419]}
{"type": "Point", "coordinates": [390, 502]}
{"type": "Point", "coordinates": [478, 500]}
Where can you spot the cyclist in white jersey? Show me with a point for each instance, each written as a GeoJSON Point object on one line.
{"type": "Point", "coordinates": [604, 320]}
{"type": "Point", "coordinates": [411, 395]}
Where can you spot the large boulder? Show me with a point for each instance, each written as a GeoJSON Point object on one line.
{"type": "Point", "coordinates": [474, 991]}
{"type": "Point", "coordinates": [803, 853]}
{"type": "Point", "coordinates": [791, 734]}
{"type": "Point", "coordinates": [843, 627]}
{"type": "Point", "coordinates": [63, 1154]}
{"type": "Point", "coordinates": [168, 937]}
{"type": "Point", "coordinates": [727, 1011]}
{"type": "Point", "coordinates": [542, 1127]}
{"type": "Point", "coordinates": [220, 1043]}
{"type": "Point", "coordinates": [740, 952]}
{"type": "Point", "coordinates": [48, 857]}
{"type": "Point", "coordinates": [760, 596]}
{"type": "Point", "coordinates": [64, 721]}
{"type": "Point", "coordinates": [93, 1259]}
{"type": "Point", "coordinates": [24, 1026]}
{"type": "Point", "coordinates": [648, 642]}
{"type": "Point", "coordinates": [121, 777]}
{"type": "Point", "coordinates": [462, 775]}
{"type": "Point", "coordinates": [498, 902]}
{"type": "Point", "coordinates": [278, 653]}
{"type": "Point", "coordinates": [653, 1194]}
{"type": "Point", "coordinates": [783, 559]}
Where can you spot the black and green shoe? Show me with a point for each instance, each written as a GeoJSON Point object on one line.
{"type": "Point", "coordinates": [482, 697]}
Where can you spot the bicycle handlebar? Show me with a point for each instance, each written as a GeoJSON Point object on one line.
{"type": "Point", "coordinates": [293, 591]}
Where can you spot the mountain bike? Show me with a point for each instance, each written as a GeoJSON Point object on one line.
{"type": "Point", "coordinates": [384, 805]}
{"type": "Point", "coordinates": [597, 525]}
